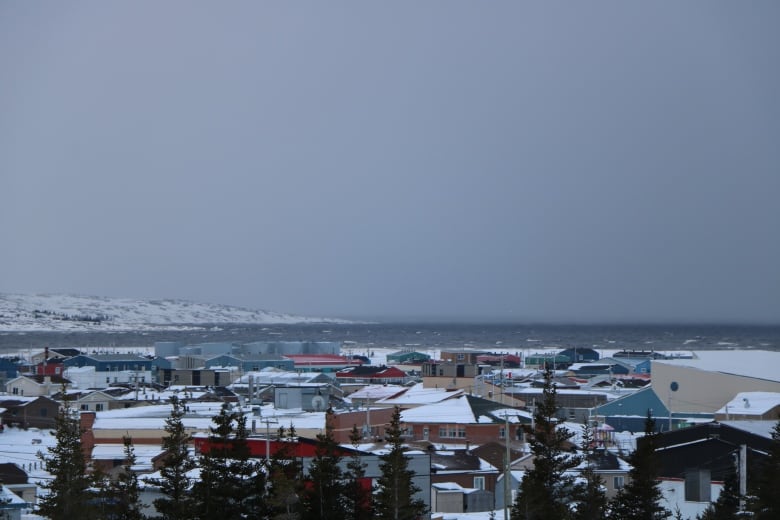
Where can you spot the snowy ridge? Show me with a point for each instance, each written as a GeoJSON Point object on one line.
{"type": "Point", "coordinates": [58, 312]}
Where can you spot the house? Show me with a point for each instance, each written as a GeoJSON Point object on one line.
{"type": "Point", "coordinates": [11, 505]}
{"type": "Point", "coordinates": [371, 422]}
{"type": "Point", "coordinates": [321, 362]}
{"type": "Point", "coordinates": [372, 374]}
{"type": "Point", "coordinates": [448, 374]}
{"type": "Point", "coordinates": [259, 387]}
{"type": "Point", "coordinates": [464, 419]}
{"type": "Point", "coordinates": [756, 406]}
{"type": "Point", "coordinates": [406, 357]}
{"type": "Point", "coordinates": [38, 412]}
{"type": "Point", "coordinates": [34, 385]}
{"type": "Point", "coordinates": [451, 497]}
{"type": "Point", "coordinates": [50, 355]}
{"type": "Point", "coordinates": [94, 401]}
{"type": "Point", "coordinates": [16, 480]}
{"type": "Point", "coordinates": [212, 376]}
{"type": "Point", "coordinates": [543, 360]}
{"type": "Point", "coordinates": [606, 366]}
{"type": "Point", "coordinates": [462, 356]}
{"type": "Point", "coordinates": [573, 404]}
{"type": "Point", "coordinates": [465, 469]}
{"type": "Point", "coordinates": [612, 469]}
{"type": "Point", "coordinates": [497, 360]}
{"type": "Point", "coordinates": [115, 368]}
{"type": "Point", "coordinates": [694, 462]}
{"type": "Point", "coordinates": [580, 354]}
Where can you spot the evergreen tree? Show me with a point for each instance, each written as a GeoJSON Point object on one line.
{"type": "Point", "coordinates": [323, 498]}
{"type": "Point", "coordinates": [224, 488]}
{"type": "Point", "coordinates": [727, 507]}
{"type": "Point", "coordinates": [122, 496]}
{"type": "Point", "coordinates": [549, 486]}
{"type": "Point", "coordinates": [357, 495]}
{"type": "Point", "coordinates": [174, 482]}
{"type": "Point", "coordinates": [69, 492]}
{"type": "Point", "coordinates": [591, 501]}
{"type": "Point", "coordinates": [640, 499]}
{"type": "Point", "coordinates": [285, 479]}
{"type": "Point", "coordinates": [764, 500]}
{"type": "Point", "coordinates": [395, 494]}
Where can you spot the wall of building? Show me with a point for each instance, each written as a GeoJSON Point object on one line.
{"type": "Point", "coordinates": [702, 391]}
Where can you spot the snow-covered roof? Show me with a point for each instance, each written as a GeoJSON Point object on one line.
{"type": "Point", "coordinates": [450, 411]}
{"type": "Point", "coordinates": [762, 428]}
{"type": "Point", "coordinates": [751, 403]}
{"type": "Point", "coordinates": [761, 364]}
{"type": "Point", "coordinates": [419, 395]}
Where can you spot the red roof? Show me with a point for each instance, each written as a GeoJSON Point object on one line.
{"type": "Point", "coordinates": [321, 359]}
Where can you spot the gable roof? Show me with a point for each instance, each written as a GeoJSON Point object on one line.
{"type": "Point", "coordinates": [12, 474]}
{"type": "Point", "coordinates": [458, 461]}
{"type": "Point", "coordinates": [465, 409]}
{"type": "Point", "coordinates": [493, 453]}
{"type": "Point", "coordinates": [41, 379]}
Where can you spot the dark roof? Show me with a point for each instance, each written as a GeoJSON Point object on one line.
{"type": "Point", "coordinates": [12, 474]}
{"type": "Point", "coordinates": [494, 453]}
{"type": "Point", "coordinates": [66, 352]}
{"type": "Point", "coordinates": [604, 460]}
{"type": "Point", "coordinates": [369, 371]}
{"type": "Point", "coordinates": [455, 460]}
{"type": "Point", "coordinates": [707, 446]}
{"type": "Point", "coordinates": [486, 408]}
{"type": "Point", "coordinates": [116, 357]}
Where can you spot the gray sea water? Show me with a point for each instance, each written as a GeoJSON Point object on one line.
{"type": "Point", "coordinates": [409, 335]}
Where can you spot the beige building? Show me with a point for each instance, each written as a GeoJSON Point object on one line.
{"type": "Point", "coordinates": [712, 378]}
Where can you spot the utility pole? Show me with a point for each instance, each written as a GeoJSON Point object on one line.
{"type": "Point", "coordinates": [507, 462]}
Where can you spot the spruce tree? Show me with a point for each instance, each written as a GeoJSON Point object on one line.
{"type": "Point", "coordinates": [69, 493]}
{"type": "Point", "coordinates": [323, 498]}
{"type": "Point", "coordinates": [394, 499]}
{"type": "Point", "coordinates": [727, 506]}
{"type": "Point", "coordinates": [764, 493]}
{"type": "Point", "coordinates": [285, 479]}
{"type": "Point", "coordinates": [640, 499]}
{"type": "Point", "coordinates": [591, 500]}
{"type": "Point", "coordinates": [122, 497]}
{"type": "Point", "coordinates": [174, 481]}
{"type": "Point", "coordinates": [356, 493]}
{"type": "Point", "coordinates": [225, 470]}
{"type": "Point", "coordinates": [549, 486]}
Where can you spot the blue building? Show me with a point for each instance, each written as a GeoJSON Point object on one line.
{"type": "Point", "coordinates": [110, 362]}
{"type": "Point", "coordinates": [250, 363]}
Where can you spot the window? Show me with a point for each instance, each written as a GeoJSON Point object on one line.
{"type": "Point", "coordinates": [502, 433]}
{"type": "Point", "coordinates": [454, 432]}
{"type": "Point", "coordinates": [461, 357]}
{"type": "Point", "coordinates": [479, 483]}
{"type": "Point", "coordinates": [619, 482]}
{"type": "Point", "coordinates": [44, 412]}
{"type": "Point", "coordinates": [98, 407]}
{"type": "Point", "coordinates": [16, 391]}
{"type": "Point", "coordinates": [85, 407]}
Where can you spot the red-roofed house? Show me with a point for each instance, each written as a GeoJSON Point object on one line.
{"type": "Point", "coordinates": [371, 374]}
{"type": "Point", "coordinates": [321, 362]}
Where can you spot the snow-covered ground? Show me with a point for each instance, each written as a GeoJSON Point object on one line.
{"type": "Point", "coordinates": [58, 312]}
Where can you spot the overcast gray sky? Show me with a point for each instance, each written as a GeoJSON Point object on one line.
{"type": "Point", "coordinates": [572, 161]}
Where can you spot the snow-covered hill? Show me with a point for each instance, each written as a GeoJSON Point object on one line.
{"type": "Point", "coordinates": [57, 312]}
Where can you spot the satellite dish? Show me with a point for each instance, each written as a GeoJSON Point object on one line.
{"type": "Point", "coordinates": [318, 403]}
